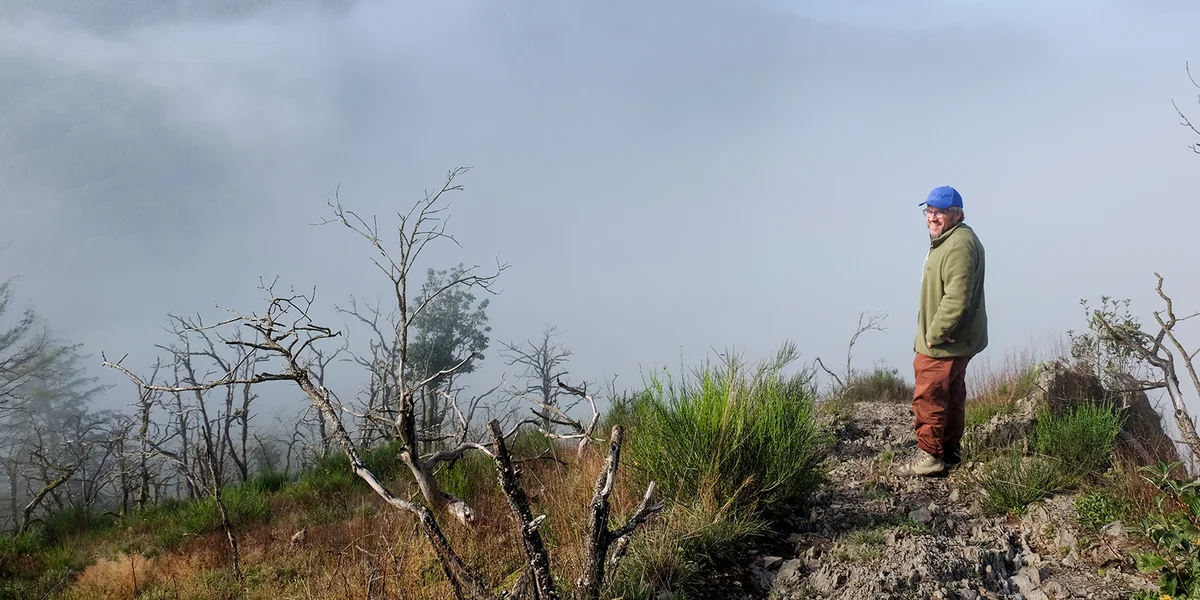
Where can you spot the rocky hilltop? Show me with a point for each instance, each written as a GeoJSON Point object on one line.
{"type": "Point", "coordinates": [872, 535]}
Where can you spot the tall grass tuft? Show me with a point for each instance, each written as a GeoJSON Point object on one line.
{"type": "Point", "coordinates": [1012, 482]}
{"type": "Point", "coordinates": [1081, 439]}
{"type": "Point", "coordinates": [734, 439]}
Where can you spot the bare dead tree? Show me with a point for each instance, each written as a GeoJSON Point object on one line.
{"type": "Point", "coordinates": [288, 341]}
{"type": "Point", "coordinates": [424, 223]}
{"type": "Point", "coordinates": [1164, 351]}
{"type": "Point", "coordinates": [542, 363]}
{"type": "Point", "coordinates": [377, 413]}
{"type": "Point", "coordinates": [102, 474]}
{"type": "Point", "coordinates": [873, 323]}
{"type": "Point", "coordinates": [58, 458]}
{"type": "Point", "coordinates": [62, 474]}
{"type": "Point", "coordinates": [1187, 122]}
{"type": "Point", "coordinates": [207, 471]}
{"type": "Point", "coordinates": [286, 333]}
{"type": "Point", "coordinates": [227, 444]}
{"type": "Point", "coordinates": [147, 399]}
{"type": "Point", "coordinates": [605, 546]}
{"type": "Point", "coordinates": [320, 364]}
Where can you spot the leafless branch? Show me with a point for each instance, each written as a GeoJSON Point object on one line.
{"type": "Point", "coordinates": [873, 323]}
{"type": "Point", "coordinates": [1153, 350]}
{"type": "Point", "coordinates": [600, 538]}
{"type": "Point", "coordinates": [536, 554]}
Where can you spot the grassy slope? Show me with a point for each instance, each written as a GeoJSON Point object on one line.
{"type": "Point", "coordinates": [729, 446]}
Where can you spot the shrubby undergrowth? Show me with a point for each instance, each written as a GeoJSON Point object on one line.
{"type": "Point", "coordinates": [1067, 448]}
{"type": "Point", "coordinates": [880, 384]}
{"type": "Point", "coordinates": [731, 447]}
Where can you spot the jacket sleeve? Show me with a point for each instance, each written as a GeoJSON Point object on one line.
{"type": "Point", "coordinates": [958, 277]}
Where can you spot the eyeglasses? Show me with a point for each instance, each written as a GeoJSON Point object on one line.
{"type": "Point", "coordinates": [933, 212]}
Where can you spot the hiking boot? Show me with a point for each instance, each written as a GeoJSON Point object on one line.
{"type": "Point", "coordinates": [925, 464]}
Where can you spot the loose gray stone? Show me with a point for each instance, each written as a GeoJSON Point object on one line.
{"type": "Point", "coordinates": [921, 515]}
{"type": "Point", "coordinates": [1034, 576]}
{"type": "Point", "coordinates": [1065, 538]}
{"type": "Point", "coordinates": [1056, 590]}
{"type": "Point", "coordinates": [1021, 582]}
{"type": "Point", "coordinates": [1116, 529]}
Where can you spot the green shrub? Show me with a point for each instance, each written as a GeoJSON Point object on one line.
{"type": "Point", "coordinates": [1174, 532]}
{"type": "Point", "coordinates": [743, 441]}
{"type": "Point", "coordinates": [175, 519]}
{"type": "Point", "coordinates": [656, 563]}
{"type": "Point", "coordinates": [1097, 509]}
{"type": "Point", "coordinates": [622, 410]}
{"type": "Point", "coordinates": [326, 482]}
{"type": "Point", "coordinates": [877, 385]}
{"type": "Point", "coordinates": [1081, 439]}
{"type": "Point", "coordinates": [729, 447]}
{"type": "Point", "coordinates": [1068, 448]}
{"type": "Point", "coordinates": [26, 543]}
{"type": "Point", "coordinates": [383, 461]}
{"type": "Point", "coordinates": [61, 524]}
{"type": "Point", "coordinates": [468, 476]}
{"type": "Point", "coordinates": [268, 481]}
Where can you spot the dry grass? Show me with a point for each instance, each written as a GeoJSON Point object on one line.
{"type": "Point", "coordinates": [378, 552]}
{"type": "Point", "coordinates": [1136, 493]}
{"type": "Point", "coordinates": [993, 390]}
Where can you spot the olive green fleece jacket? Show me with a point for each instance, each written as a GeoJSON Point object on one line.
{"type": "Point", "coordinates": [952, 304]}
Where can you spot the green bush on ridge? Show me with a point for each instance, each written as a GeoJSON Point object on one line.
{"type": "Point", "coordinates": [730, 447]}
{"type": "Point", "coordinates": [737, 439]}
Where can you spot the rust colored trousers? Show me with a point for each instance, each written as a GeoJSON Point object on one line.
{"type": "Point", "coordinates": [940, 405]}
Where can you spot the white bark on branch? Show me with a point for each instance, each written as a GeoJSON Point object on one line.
{"type": "Point", "coordinates": [600, 539]}
{"type": "Point", "coordinates": [1153, 350]}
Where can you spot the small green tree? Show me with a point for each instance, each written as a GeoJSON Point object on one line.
{"type": "Point", "coordinates": [449, 337]}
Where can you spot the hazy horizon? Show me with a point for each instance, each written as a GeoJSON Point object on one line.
{"type": "Point", "coordinates": [666, 179]}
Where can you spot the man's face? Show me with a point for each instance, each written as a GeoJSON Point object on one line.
{"type": "Point", "coordinates": [939, 220]}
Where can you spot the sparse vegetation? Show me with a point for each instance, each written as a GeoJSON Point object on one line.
{"type": "Point", "coordinates": [995, 391]}
{"type": "Point", "coordinates": [880, 384]}
{"type": "Point", "coordinates": [1174, 529]}
{"type": "Point", "coordinates": [1067, 448]}
{"type": "Point", "coordinates": [862, 545]}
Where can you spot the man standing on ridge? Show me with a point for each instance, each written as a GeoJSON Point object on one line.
{"type": "Point", "coordinates": [951, 329]}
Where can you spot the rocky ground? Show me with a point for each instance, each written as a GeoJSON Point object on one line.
{"type": "Point", "coordinates": [872, 535]}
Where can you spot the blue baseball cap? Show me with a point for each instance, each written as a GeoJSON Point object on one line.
{"type": "Point", "coordinates": [943, 197]}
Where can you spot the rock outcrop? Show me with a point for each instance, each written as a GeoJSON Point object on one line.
{"type": "Point", "coordinates": [872, 535]}
{"type": "Point", "coordinates": [1059, 387]}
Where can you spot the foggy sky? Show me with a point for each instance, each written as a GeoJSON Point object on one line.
{"type": "Point", "coordinates": [666, 179]}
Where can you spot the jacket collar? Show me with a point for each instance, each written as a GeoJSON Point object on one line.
{"type": "Point", "coordinates": [937, 241]}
